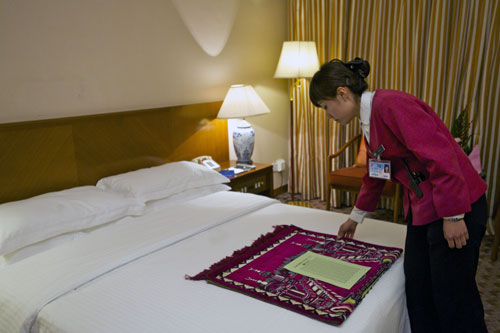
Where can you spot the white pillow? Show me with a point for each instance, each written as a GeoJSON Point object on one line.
{"type": "Point", "coordinates": [190, 194]}
{"type": "Point", "coordinates": [33, 220]}
{"type": "Point", "coordinates": [47, 244]}
{"type": "Point", "coordinates": [161, 181]}
{"type": "Point", "coordinates": [28, 251]}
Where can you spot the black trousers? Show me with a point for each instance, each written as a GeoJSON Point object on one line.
{"type": "Point", "coordinates": [441, 290]}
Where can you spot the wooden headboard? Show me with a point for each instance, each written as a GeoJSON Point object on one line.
{"type": "Point", "coordinates": [50, 155]}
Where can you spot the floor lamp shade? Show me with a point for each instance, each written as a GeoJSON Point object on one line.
{"type": "Point", "coordinates": [298, 59]}
{"type": "Point", "coordinates": [242, 101]}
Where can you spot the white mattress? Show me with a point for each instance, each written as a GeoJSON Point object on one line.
{"type": "Point", "coordinates": [130, 278]}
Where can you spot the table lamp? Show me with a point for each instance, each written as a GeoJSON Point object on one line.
{"type": "Point", "coordinates": [242, 101]}
{"type": "Point", "coordinates": [298, 59]}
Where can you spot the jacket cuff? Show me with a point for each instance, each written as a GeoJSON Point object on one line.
{"type": "Point", "coordinates": [358, 215]}
{"type": "Point", "coordinates": [456, 217]}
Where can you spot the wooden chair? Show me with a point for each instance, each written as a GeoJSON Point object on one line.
{"type": "Point", "coordinates": [350, 179]}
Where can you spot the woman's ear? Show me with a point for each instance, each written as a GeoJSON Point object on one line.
{"type": "Point", "coordinates": [342, 92]}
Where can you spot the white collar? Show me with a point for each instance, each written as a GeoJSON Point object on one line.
{"type": "Point", "coordinates": [365, 113]}
{"type": "Point", "coordinates": [366, 107]}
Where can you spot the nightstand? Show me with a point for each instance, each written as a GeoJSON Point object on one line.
{"type": "Point", "coordinates": [258, 180]}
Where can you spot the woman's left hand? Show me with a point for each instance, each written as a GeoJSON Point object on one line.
{"type": "Point", "coordinates": [455, 233]}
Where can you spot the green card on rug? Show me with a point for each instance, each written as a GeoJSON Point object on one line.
{"type": "Point", "coordinates": [330, 270]}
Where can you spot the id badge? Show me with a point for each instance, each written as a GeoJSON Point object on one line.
{"type": "Point", "coordinates": [379, 169]}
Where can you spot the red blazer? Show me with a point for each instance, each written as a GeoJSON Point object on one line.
{"type": "Point", "coordinates": [410, 129]}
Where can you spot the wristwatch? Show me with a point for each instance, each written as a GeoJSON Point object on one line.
{"type": "Point", "coordinates": [453, 219]}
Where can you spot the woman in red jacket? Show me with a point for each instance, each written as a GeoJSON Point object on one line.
{"type": "Point", "coordinates": [444, 200]}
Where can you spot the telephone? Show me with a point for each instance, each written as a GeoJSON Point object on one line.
{"type": "Point", "coordinates": [207, 161]}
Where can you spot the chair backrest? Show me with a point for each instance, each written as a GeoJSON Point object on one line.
{"type": "Point", "coordinates": [361, 158]}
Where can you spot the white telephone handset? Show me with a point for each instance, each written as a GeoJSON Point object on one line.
{"type": "Point", "coordinates": [207, 161]}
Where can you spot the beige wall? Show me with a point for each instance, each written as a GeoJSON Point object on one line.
{"type": "Point", "coordinates": [64, 58]}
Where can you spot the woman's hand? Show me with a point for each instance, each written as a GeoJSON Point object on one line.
{"type": "Point", "coordinates": [455, 233]}
{"type": "Point", "coordinates": [347, 229]}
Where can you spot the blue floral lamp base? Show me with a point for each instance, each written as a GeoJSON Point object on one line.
{"type": "Point", "coordinates": [243, 141]}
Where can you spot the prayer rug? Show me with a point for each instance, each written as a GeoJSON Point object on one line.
{"type": "Point", "coordinates": [258, 270]}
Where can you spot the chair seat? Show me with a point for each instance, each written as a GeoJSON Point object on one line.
{"type": "Point", "coordinates": [350, 179]}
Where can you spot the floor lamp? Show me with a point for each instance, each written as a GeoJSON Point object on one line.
{"type": "Point", "coordinates": [298, 59]}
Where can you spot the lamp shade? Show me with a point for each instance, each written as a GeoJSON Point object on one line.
{"type": "Point", "coordinates": [298, 59]}
{"type": "Point", "coordinates": [242, 101]}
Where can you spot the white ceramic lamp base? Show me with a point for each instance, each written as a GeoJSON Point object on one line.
{"type": "Point", "coordinates": [243, 141]}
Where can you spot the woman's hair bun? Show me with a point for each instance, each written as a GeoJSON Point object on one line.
{"type": "Point", "coordinates": [359, 66]}
{"type": "Point", "coordinates": [337, 73]}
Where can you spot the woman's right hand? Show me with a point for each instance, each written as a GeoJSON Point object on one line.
{"type": "Point", "coordinates": [347, 229]}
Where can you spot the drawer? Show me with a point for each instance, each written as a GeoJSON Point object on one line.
{"type": "Point", "coordinates": [254, 185]}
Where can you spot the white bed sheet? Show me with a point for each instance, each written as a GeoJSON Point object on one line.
{"type": "Point", "coordinates": [151, 295]}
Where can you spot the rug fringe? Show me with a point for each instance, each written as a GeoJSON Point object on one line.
{"type": "Point", "coordinates": [237, 255]}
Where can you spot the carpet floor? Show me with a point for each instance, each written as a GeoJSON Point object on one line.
{"type": "Point", "coordinates": [488, 273]}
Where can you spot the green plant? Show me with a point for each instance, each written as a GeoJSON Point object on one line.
{"type": "Point", "coordinates": [460, 130]}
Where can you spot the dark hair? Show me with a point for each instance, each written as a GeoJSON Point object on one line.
{"type": "Point", "coordinates": [337, 73]}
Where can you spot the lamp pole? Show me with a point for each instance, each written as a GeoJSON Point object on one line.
{"type": "Point", "coordinates": [296, 83]}
{"type": "Point", "coordinates": [298, 59]}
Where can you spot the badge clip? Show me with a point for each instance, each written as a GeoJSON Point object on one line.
{"type": "Point", "coordinates": [379, 152]}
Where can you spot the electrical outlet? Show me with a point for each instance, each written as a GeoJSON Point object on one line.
{"type": "Point", "coordinates": [279, 165]}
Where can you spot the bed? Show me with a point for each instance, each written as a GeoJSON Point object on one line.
{"type": "Point", "coordinates": [112, 255]}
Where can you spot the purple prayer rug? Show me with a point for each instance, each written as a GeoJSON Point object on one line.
{"type": "Point", "coordinates": [258, 270]}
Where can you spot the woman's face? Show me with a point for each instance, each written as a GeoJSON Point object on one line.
{"type": "Point", "coordinates": [342, 108]}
